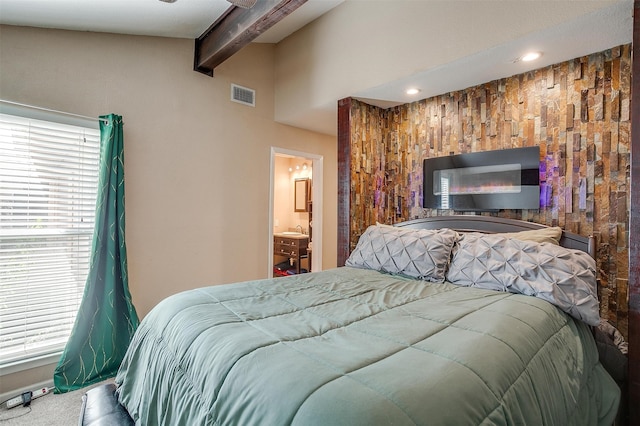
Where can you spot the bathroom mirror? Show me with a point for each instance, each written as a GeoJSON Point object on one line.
{"type": "Point", "coordinates": [301, 188]}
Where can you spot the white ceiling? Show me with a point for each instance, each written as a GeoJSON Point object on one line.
{"type": "Point", "coordinates": [599, 26]}
{"type": "Point", "coordinates": [182, 19]}
{"type": "Point", "coordinates": [561, 29]}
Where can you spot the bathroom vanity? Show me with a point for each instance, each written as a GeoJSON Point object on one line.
{"type": "Point", "coordinates": [292, 245]}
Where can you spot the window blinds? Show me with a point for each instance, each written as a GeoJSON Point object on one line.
{"type": "Point", "coordinates": [48, 185]}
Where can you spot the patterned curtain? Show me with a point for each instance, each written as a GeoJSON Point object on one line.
{"type": "Point", "coordinates": [106, 319]}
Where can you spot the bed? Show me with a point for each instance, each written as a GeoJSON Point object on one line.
{"type": "Point", "coordinates": [443, 321]}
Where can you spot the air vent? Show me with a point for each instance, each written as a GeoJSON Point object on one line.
{"type": "Point", "coordinates": [243, 95]}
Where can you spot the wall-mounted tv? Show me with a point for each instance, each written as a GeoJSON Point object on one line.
{"type": "Point", "coordinates": [483, 181]}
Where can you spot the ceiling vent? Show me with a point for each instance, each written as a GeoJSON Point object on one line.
{"type": "Point", "coordinates": [243, 95]}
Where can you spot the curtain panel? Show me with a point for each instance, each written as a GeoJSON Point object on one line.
{"type": "Point", "coordinates": [107, 319]}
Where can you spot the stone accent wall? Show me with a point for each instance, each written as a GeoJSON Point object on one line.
{"type": "Point", "coordinates": [576, 111]}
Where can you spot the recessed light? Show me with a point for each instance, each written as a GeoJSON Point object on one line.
{"type": "Point", "coordinates": [531, 56]}
{"type": "Point", "coordinates": [412, 91]}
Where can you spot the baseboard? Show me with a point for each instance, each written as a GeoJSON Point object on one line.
{"type": "Point", "coordinates": [8, 395]}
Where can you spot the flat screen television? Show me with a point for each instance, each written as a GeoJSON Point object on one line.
{"type": "Point", "coordinates": [483, 181]}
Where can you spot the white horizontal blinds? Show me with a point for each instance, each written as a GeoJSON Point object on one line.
{"type": "Point", "coordinates": [48, 184]}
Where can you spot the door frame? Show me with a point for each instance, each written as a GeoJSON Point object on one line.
{"type": "Point", "coordinates": [316, 196]}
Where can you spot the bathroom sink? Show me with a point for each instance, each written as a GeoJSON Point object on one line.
{"type": "Point", "coordinates": [290, 233]}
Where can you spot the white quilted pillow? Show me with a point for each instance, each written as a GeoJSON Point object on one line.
{"type": "Point", "coordinates": [417, 253]}
{"type": "Point", "coordinates": [561, 276]}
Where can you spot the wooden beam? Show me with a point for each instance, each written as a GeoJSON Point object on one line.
{"type": "Point", "coordinates": [344, 179]}
{"type": "Point", "coordinates": [634, 229]}
{"type": "Point", "coordinates": [236, 28]}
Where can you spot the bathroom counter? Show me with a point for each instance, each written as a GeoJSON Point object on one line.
{"type": "Point", "coordinates": [294, 235]}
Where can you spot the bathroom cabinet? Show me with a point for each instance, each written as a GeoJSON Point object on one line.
{"type": "Point", "coordinates": [293, 247]}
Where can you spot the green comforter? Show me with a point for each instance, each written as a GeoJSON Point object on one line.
{"type": "Point", "coordinates": [357, 347]}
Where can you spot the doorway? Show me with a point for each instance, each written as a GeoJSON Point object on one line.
{"type": "Point", "coordinates": [287, 167]}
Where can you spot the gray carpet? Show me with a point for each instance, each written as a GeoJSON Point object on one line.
{"type": "Point", "coordinates": [49, 410]}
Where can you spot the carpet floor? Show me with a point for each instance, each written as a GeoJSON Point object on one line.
{"type": "Point", "coordinates": [49, 410]}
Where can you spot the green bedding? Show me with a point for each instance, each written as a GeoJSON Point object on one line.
{"type": "Point", "coordinates": [357, 347]}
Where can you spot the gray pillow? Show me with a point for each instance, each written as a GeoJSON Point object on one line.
{"type": "Point", "coordinates": [417, 253]}
{"type": "Point", "coordinates": [561, 276]}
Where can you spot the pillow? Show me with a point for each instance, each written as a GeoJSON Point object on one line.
{"type": "Point", "coordinates": [545, 235]}
{"type": "Point", "coordinates": [384, 225]}
{"type": "Point", "coordinates": [561, 276]}
{"type": "Point", "coordinates": [417, 253]}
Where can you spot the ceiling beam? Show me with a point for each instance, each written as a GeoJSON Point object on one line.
{"type": "Point", "coordinates": [235, 29]}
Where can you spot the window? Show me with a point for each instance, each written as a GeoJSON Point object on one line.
{"type": "Point", "coordinates": [48, 184]}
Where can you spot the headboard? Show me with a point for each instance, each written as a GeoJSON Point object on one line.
{"type": "Point", "coordinates": [490, 225]}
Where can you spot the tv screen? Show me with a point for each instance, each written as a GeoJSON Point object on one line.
{"type": "Point", "coordinates": [483, 181]}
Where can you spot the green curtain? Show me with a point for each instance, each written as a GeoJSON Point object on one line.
{"type": "Point", "coordinates": [106, 319]}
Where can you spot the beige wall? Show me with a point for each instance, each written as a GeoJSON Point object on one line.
{"type": "Point", "coordinates": [197, 165]}
{"type": "Point", "coordinates": [282, 205]}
